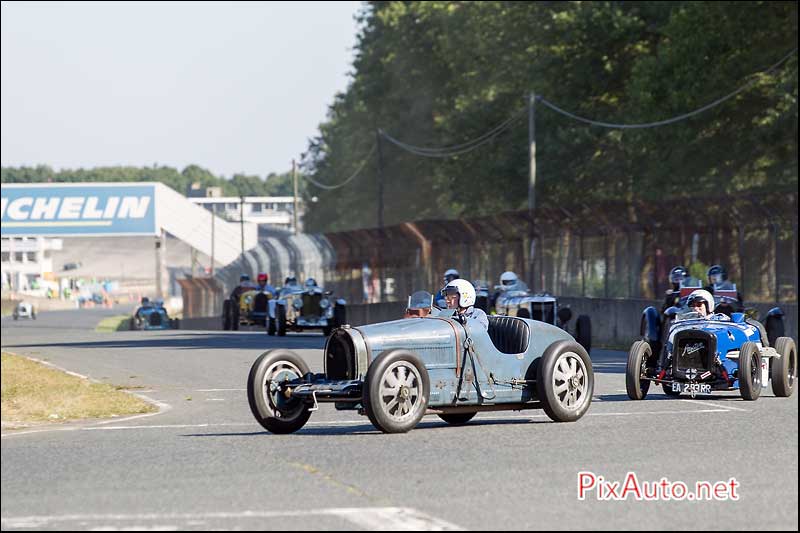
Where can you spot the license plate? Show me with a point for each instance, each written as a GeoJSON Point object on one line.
{"type": "Point", "coordinates": [691, 388]}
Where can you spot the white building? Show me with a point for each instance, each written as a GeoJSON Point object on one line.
{"type": "Point", "coordinates": [27, 261]}
{"type": "Point", "coordinates": [273, 210]}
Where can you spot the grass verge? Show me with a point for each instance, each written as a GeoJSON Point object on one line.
{"type": "Point", "coordinates": [33, 393]}
{"type": "Point", "coordinates": [113, 323]}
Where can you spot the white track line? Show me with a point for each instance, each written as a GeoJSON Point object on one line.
{"type": "Point", "coordinates": [701, 401]}
{"type": "Point", "coordinates": [370, 518]}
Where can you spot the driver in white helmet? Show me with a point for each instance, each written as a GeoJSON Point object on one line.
{"type": "Point", "coordinates": [508, 280]}
{"type": "Point", "coordinates": [460, 295]}
{"type": "Point", "coordinates": [701, 301]}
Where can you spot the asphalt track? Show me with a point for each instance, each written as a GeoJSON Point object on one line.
{"type": "Point", "coordinates": [204, 463]}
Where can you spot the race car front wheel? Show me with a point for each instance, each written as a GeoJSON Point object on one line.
{"type": "Point", "coordinates": [271, 408]}
{"type": "Point", "coordinates": [749, 371]}
{"type": "Point", "coordinates": [565, 381]}
{"type": "Point", "coordinates": [396, 390]}
{"type": "Point", "coordinates": [638, 357]}
{"type": "Point", "coordinates": [784, 367]}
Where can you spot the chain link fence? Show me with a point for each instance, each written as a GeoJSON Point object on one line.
{"type": "Point", "coordinates": [614, 250]}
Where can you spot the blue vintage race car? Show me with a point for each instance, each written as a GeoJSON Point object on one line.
{"type": "Point", "coordinates": [396, 372]}
{"type": "Point", "coordinates": [654, 326]}
{"type": "Point", "coordinates": [152, 316]}
{"type": "Point", "coordinates": [701, 355]}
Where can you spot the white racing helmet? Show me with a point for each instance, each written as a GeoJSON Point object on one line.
{"type": "Point", "coordinates": [464, 289]}
{"type": "Point", "coordinates": [508, 279]}
{"type": "Point", "coordinates": [704, 296]}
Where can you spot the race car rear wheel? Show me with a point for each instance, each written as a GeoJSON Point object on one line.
{"type": "Point", "coordinates": [775, 328]}
{"type": "Point", "coordinates": [457, 419]}
{"type": "Point", "coordinates": [583, 332]}
{"type": "Point", "coordinates": [784, 367]}
{"type": "Point", "coordinates": [269, 406]}
{"type": "Point", "coordinates": [638, 356]}
{"type": "Point", "coordinates": [280, 320]}
{"type": "Point", "coordinates": [226, 315]}
{"type": "Point", "coordinates": [565, 381]}
{"type": "Point", "coordinates": [396, 390]}
{"type": "Point", "coordinates": [749, 371]}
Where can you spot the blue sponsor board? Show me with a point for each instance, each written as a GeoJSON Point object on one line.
{"type": "Point", "coordinates": [78, 210]}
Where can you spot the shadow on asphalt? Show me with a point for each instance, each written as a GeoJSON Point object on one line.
{"type": "Point", "coordinates": [194, 341]}
{"type": "Point", "coordinates": [657, 395]}
{"type": "Point", "coordinates": [369, 429]}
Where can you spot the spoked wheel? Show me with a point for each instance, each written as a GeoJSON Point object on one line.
{"type": "Point", "coordinates": [749, 371]}
{"type": "Point", "coordinates": [272, 409]}
{"type": "Point", "coordinates": [565, 381]}
{"type": "Point", "coordinates": [396, 391]}
{"type": "Point", "coordinates": [636, 367]}
{"type": "Point", "coordinates": [784, 367]}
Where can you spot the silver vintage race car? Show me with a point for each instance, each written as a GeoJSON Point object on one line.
{"type": "Point", "coordinates": [518, 300]}
{"type": "Point", "coordinates": [24, 310]}
{"type": "Point", "coordinates": [300, 308]}
{"type": "Point", "coordinates": [435, 363]}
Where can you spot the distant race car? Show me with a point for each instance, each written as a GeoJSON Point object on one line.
{"type": "Point", "coordinates": [702, 355]}
{"type": "Point", "coordinates": [24, 310]}
{"type": "Point", "coordinates": [252, 309]}
{"type": "Point", "coordinates": [396, 372]}
{"type": "Point", "coordinates": [300, 308]}
{"type": "Point", "coordinates": [519, 301]}
{"type": "Point", "coordinates": [152, 316]}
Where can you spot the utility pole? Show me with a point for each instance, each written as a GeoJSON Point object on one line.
{"type": "Point", "coordinates": [380, 178]}
{"type": "Point", "coordinates": [380, 215]}
{"type": "Point", "coordinates": [532, 153]}
{"type": "Point", "coordinates": [532, 186]}
{"type": "Point", "coordinates": [213, 234]}
{"type": "Point", "coordinates": [294, 179]}
{"type": "Point", "coordinates": [241, 222]}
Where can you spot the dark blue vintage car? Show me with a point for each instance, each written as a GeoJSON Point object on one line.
{"type": "Point", "coordinates": [396, 372]}
{"type": "Point", "coordinates": [701, 355]}
{"type": "Point", "coordinates": [654, 325]}
{"type": "Point", "coordinates": [150, 316]}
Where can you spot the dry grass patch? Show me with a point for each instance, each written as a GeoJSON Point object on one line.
{"type": "Point", "coordinates": [114, 323]}
{"type": "Point", "coordinates": [35, 393]}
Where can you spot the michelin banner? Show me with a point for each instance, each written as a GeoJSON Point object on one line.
{"type": "Point", "coordinates": [84, 209]}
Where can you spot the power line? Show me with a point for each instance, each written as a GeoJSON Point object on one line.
{"type": "Point", "coordinates": [348, 180]}
{"type": "Point", "coordinates": [458, 149]}
{"type": "Point", "coordinates": [669, 120]}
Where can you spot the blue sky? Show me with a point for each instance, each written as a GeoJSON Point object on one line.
{"type": "Point", "coordinates": [230, 86]}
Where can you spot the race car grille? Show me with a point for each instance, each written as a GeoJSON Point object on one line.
{"type": "Point", "coordinates": [155, 319]}
{"type": "Point", "coordinates": [340, 357]}
{"type": "Point", "coordinates": [692, 353]}
{"type": "Point", "coordinates": [543, 312]}
{"type": "Point", "coordinates": [311, 304]}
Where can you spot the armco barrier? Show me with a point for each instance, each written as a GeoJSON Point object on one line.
{"type": "Point", "coordinates": [615, 323]}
